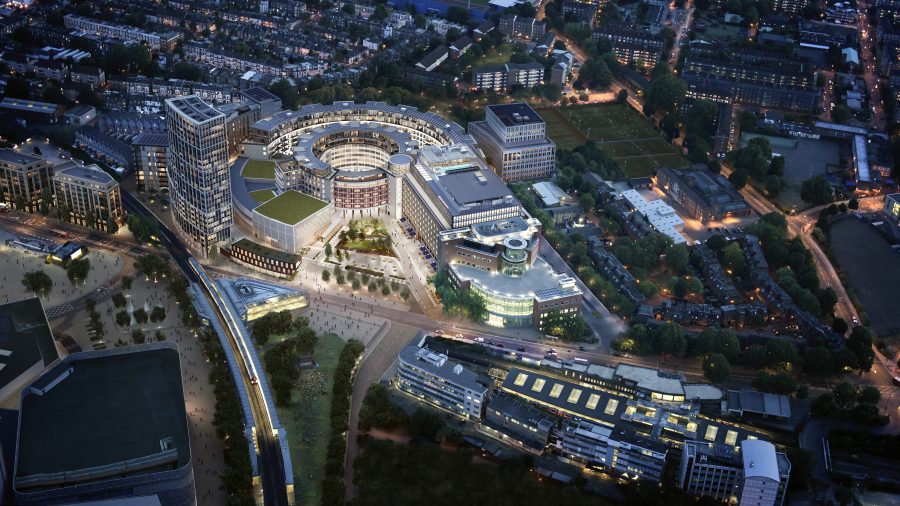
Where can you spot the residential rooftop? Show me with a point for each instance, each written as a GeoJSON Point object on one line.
{"type": "Point", "coordinates": [195, 108]}
{"type": "Point", "coordinates": [11, 156]}
{"type": "Point", "coordinates": [90, 173]}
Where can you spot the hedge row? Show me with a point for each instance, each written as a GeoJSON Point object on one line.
{"type": "Point", "coordinates": [333, 484]}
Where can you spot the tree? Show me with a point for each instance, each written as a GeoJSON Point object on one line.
{"type": "Point", "coordinates": [817, 361]}
{"type": "Point", "coordinates": [152, 266]}
{"type": "Point", "coordinates": [739, 178]}
{"type": "Point", "coordinates": [326, 276]}
{"type": "Point", "coordinates": [671, 340]}
{"type": "Point", "coordinates": [733, 258]}
{"type": "Point", "coordinates": [78, 270]}
{"type": "Point", "coordinates": [839, 326]}
{"type": "Point", "coordinates": [678, 286]}
{"type": "Point", "coordinates": [853, 204]}
{"type": "Point", "coordinates": [677, 258]}
{"type": "Point", "coordinates": [781, 352]}
{"type": "Point", "coordinates": [816, 191]}
{"type": "Point", "coordinates": [38, 282]}
{"type": "Point", "coordinates": [869, 395]}
{"type": "Point", "coordinates": [776, 166]}
{"type": "Point", "coordinates": [622, 96]}
{"type": "Point", "coordinates": [841, 114]}
{"type": "Point", "coordinates": [404, 293]}
{"type": "Point", "coordinates": [290, 97]}
{"type": "Point", "coordinates": [46, 199]}
{"type": "Point", "coordinates": [111, 225]}
{"type": "Point", "coordinates": [716, 242]}
{"type": "Point", "coordinates": [720, 341]}
{"type": "Point", "coordinates": [844, 395]}
{"type": "Point", "coordinates": [716, 368]}
{"type": "Point", "coordinates": [860, 343]}
{"type": "Point", "coordinates": [137, 335]}
{"type": "Point", "coordinates": [666, 93]}
{"type": "Point", "coordinates": [126, 282]}
{"type": "Point", "coordinates": [372, 286]}
{"type": "Point", "coordinates": [774, 185]}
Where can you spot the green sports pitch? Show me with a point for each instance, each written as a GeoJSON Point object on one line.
{"type": "Point", "coordinates": [620, 131]}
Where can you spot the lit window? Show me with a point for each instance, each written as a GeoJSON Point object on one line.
{"type": "Point", "coordinates": [520, 379]}
{"type": "Point", "coordinates": [574, 395]}
{"type": "Point", "coordinates": [711, 432]}
{"type": "Point", "coordinates": [592, 401]}
{"type": "Point", "coordinates": [556, 390]}
{"type": "Point", "coordinates": [611, 406]}
{"type": "Point", "coordinates": [731, 437]}
{"type": "Point", "coordinates": [538, 385]}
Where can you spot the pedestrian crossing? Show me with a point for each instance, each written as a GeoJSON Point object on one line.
{"type": "Point", "coordinates": [57, 311]}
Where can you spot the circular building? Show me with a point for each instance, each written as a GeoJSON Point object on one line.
{"type": "Point", "coordinates": [350, 155]}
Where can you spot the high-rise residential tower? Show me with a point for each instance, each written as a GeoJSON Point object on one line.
{"type": "Point", "coordinates": [198, 174]}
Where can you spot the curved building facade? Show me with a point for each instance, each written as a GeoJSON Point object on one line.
{"type": "Point", "coordinates": [350, 155]}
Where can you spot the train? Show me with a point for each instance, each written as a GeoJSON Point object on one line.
{"type": "Point", "coordinates": [213, 291]}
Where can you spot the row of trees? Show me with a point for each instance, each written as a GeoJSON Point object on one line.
{"type": "Point", "coordinates": [850, 402]}
{"type": "Point", "coordinates": [342, 388]}
{"type": "Point", "coordinates": [275, 323]}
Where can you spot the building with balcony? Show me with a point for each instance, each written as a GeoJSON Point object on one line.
{"type": "Point", "coordinates": [89, 195]}
{"type": "Point", "coordinates": [23, 179]}
{"type": "Point", "coordinates": [199, 181]}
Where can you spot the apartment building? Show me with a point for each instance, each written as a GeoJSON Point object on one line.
{"type": "Point", "coordinates": [88, 194]}
{"type": "Point", "coordinates": [198, 173]}
{"type": "Point", "coordinates": [433, 378]}
{"type": "Point", "coordinates": [151, 161]}
{"type": "Point", "coordinates": [752, 77]}
{"type": "Point", "coordinates": [163, 42]}
{"type": "Point", "coordinates": [502, 78]}
{"type": "Point", "coordinates": [23, 179]}
{"type": "Point", "coordinates": [513, 138]}
{"type": "Point", "coordinates": [632, 46]}
{"type": "Point", "coordinates": [521, 27]}
{"type": "Point", "coordinates": [89, 75]}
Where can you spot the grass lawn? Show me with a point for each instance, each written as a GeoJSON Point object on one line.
{"type": "Point", "coordinates": [290, 207]}
{"type": "Point", "coordinates": [619, 130]}
{"type": "Point", "coordinates": [262, 195]}
{"type": "Point", "coordinates": [496, 55]}
{"type": "Point", "coordinates": [307, 420]}
{"type": "Point", "coordinates": [259, 169]}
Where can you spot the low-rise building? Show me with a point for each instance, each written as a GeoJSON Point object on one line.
{"type": "Point", "coordinates": [433, 378]}
{"type": "Point", "coordinates": [23, 179]}
{"type": "Point", "coordinates": [514, 140]}
{"type": "Point", "coordinates": [517, 422]}
{"type": "Point", "coordinates": [618, 449]}
{"type": "Point", "coordinates": [263, 259]}
{"type": "Point", "coordinates": [89, 195]}
{"type": "Point", "coordinates": [28, 347]}
{"type": "Point", "coordinates": [433, 59]}
{"type": "Point", "coordinates": [89, 75]}
{"type": "Point", "coordinates": [703, 196]}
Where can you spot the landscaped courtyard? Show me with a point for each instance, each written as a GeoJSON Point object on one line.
{"type": "Point", "coordinates": [618, 130]}
{"type": "Point", "coordinates": [366, 236]}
